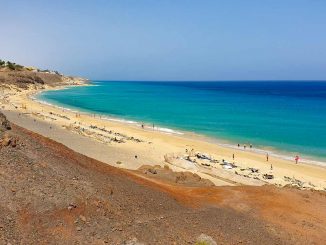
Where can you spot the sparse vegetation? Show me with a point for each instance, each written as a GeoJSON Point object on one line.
{"type": "Point", "coordinates": [23, 77]}
{"type": "Point", "coordinates": [166, 167]}
{"type": "Point", "coordinates": [11, 65]}
{"type": "Point", "coordinates": [16, 67]}
{"type": "Point", "coordinates": [201, 243]}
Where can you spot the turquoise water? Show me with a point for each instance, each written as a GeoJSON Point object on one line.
{"type": "Point", "coordinates": [286, 116]}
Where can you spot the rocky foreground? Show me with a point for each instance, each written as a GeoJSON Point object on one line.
{"type": "Point", "coordinates": [52, 195]}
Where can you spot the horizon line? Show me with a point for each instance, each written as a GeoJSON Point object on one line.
{"type": "Point", "coordinates": [255, 80]}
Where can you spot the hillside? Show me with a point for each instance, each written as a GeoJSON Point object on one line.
{"type": "Point", "coordinates": [25, 77]}
{"type": "Point", "coordinates": [52, 195]}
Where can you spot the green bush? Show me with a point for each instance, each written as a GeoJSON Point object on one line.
{"type": "Point", "coordinates": [14, 66]}
{"type": "Point", "coordinates": [18, 67]}
{"type": "Point", "coordinates": [11, 66]}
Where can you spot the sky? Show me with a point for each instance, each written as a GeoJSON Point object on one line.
{"type": "Point", "coordinates": [168, 39]}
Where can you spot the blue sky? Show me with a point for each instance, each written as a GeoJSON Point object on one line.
{"type": "Point", "coordinates": [168, 39]}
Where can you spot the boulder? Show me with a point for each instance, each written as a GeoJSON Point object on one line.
{"type": "Point", "coordinates": [205, 239]}
{"type": "Point", "coordinates": [133, 241]}
{"type": "Point", "coordinates": [6, 140]}
{"type": "Point", "coordinates": [4, 123]}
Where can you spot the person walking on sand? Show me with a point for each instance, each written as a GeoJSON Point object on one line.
{"type": "Point", "coordinates": [267, 156]}
{"type": "Point", "coordinates": [296, 159]}
{"type": "Point", "coordinates": [233, 156]}
{"type": "Point", "coordinates": [271, 166]}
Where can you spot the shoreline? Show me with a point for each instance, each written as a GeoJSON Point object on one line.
{"type": "Point", "coordinates": [261, 150]}
{"type": "Point", "coordinates": [161, 148]}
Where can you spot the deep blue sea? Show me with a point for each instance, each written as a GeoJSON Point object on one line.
{"type": "Point", "coordinates": [283, 116]}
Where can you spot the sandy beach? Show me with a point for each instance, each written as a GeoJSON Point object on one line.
{"type": "Point", "coordinates": [130, 146]}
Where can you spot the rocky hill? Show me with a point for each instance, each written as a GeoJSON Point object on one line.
{"type": "Point", "coordinates": [24, 77]}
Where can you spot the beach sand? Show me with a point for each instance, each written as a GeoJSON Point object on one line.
{"type": "Point", "coordinates": [130, 146]}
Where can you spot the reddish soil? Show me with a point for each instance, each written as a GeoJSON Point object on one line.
{"type": "Point", "coordinates": [53, 195]}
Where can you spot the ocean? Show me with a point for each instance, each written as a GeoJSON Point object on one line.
{"type": "Point", "coordinates": [284, 117]}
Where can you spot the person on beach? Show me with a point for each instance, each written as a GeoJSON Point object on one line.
{"type": "Point", "coordinates": [191, 152]}
{"type": "Point", "coordinates": [271, 166]}
{"type": "Point", "coordinates": [142, 126]}
{"type": "Point", "coordinates": [250, 146]}
{"type": "Point", "coordinates": [296, 159]}
{"type": "Point", "coordinates": [267, 156]}
{"type": "Point", "coordinates": [238, 145]}
{"type": "Point", "coordinates": [244, 146]}
{"type": "Point", "coordinates": [233, 156]}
